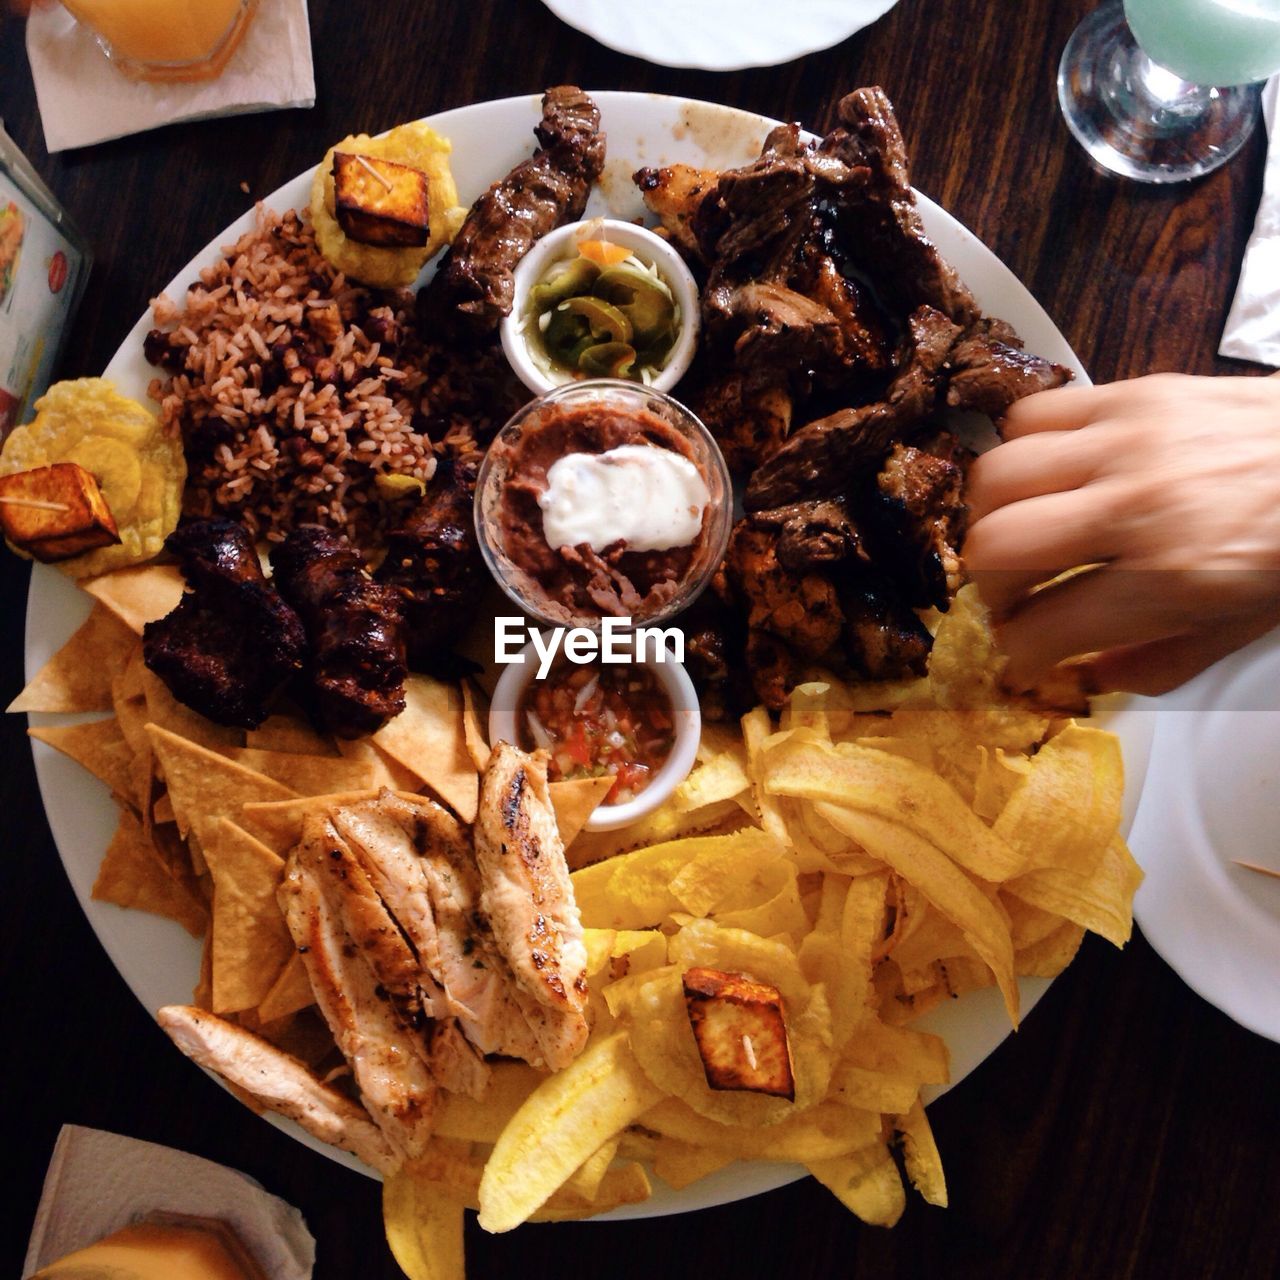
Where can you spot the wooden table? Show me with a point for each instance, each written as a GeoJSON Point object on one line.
{"type": "Point", "coordinates": [1129, 1130]}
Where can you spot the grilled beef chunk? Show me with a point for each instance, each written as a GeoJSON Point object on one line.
{"type": "Point", "coordinates": [774, 669]}
{"type": "Point", "coordinates": [878, 213]}
{"type": "Point", "coordinates": [434, 560]}
{"type": "Point", "coordinates": [989, 370]}
{"type": "Point", "coordinates": [474, 288]}
{"type": "Point", "coordinates": [914, 520]}
{"type": "Point", "coordinates": [355, 631]}
{"type": "Point", "coordinates": [232, 642]}
{"type": "Point", "coordinates": [822, 457]}
{"type": "Point", "coordinates": [748, 413]}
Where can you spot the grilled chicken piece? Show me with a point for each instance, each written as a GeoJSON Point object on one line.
{"type": "Point", "coordinates": [474, 288]}
{"type": "Point", "coordinates": [528, 897]}
{"type": "Point", "coordinates": [800, 609]}
{"type": "Point", "coordinates": [386, 1057]}
{"type": "Point", "coordinates": [355, 631]}
{"type": "Point", "coordinates": [434, 560]}
{"type": "Point", "coordinates": [232, 642]}
{"type": "Point", "coordinates": [674, 194]}
{"type": "Point", "coordinates": [278, 1081]}
{"type": "Point", "coordinates": [879, 212]}
{"type": "Point", "coordinates": [748, 413]}
{"type": "Point", "coordinates": [823, 457]}
{"type": "Point", "coordinates": [420, 861]}
{"type": "Point", "coordinates": [915, 520]}
{"type": "Point", "coordinates": [989, 370]}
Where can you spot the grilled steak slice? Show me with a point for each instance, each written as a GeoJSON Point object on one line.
{"type": "Point", "coordinates": [914, 520]}
{"type": "Point", "coordinates": [821, 458]}
{"type": "Point", "coordinates": [989, 370]}
{"type": "Point", "coordinates": [433, 559]}
{"type": "Point", "coordinates": [355, 631]}
{"type": "Point", "coordinates": [474, 288]}
{"type": "Point", "coordinates": [878, 214]}
{"type": "Point", "coordinates": [232, 642]}
{"type": "Point", "coordinates": [809, 534]}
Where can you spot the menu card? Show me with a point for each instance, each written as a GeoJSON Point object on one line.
{"type": "Point", "coordinates": [44, 264]}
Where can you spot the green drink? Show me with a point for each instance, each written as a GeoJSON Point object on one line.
{"type": "Point", "coordinates": [1209, 42]}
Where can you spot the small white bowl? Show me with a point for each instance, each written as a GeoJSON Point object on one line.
{"type": "Point", "coordinates": [562, 244]}
{"type": "Point", "coordinates": [674, 680]}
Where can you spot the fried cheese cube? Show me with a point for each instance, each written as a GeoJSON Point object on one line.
{"type": "Point", "coordinates": [741, 1032]}
{"type": "Point", "coordinates": [55, 512]}
{"type": "Point", "coordinates": [380, 202]}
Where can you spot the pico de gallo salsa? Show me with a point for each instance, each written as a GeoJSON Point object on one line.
{"type": "Point", "coordinates": [599, 720]}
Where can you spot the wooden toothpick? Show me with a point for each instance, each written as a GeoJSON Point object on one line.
{"type": "Point", "coordinates": [36, 502]}
{"type": "Point", "coordinates": [386, 186]}
{"type": "Point", "coordinates": [1253, 866]}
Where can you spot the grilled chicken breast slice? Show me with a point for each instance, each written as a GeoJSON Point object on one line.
{"type": "Point", "coordinates": [527, 895]}
{"type": "Point", "coordinates": [420, 861]}
{"type": "Point", "coordinates": [386, 1057]}
{"type": "Point", "coordinates": [278, 1081]}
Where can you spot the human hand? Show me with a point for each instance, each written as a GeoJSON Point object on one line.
{"type": "Point", "coordinates": [1170, 486]}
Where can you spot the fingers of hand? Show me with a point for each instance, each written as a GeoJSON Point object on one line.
{"type": "Point", "coordinates": [1029, 468]}
{"type": "Point", "coordinates": [1162, 665]}
{"type": "Point", "coordinates": [1026, 543]}
{"type": "Point", "coordinates": [1093, 612]}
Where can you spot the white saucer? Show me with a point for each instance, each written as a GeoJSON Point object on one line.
{"type": "Point", "coordinates": [1212, 795]}
{"type": "Point", "coordinates": [719, 35]}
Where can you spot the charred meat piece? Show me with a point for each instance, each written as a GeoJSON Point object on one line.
{"type": "Point", "coordinates": [674, 194]}
{"type": "Point", "coordinates": [778, 328]}
{"type": "Point", "coordinates": [813, 533]}
{"type": "Point", "coordinates": [800, 609]}
{"type": "Point", "coordinates": [355, 631]}
{"type": "Point", "coordinates": [232, 642]}
{"type": "Point", "coordinates": [884, 639]}
{"type": "Point", "coordinates": [714, 652]}
{"type": "Point", "coordinates": [474, 288]}
{"type": "Point", "coordinates": [863, 344]}
{"type": "Point", "coordinates": [914, 520]}
{"type": "Point", "coordinates": [989, 370]}
{"type": "Point", "coordinates": [434, 560]}
{"type": "Point", "coordinates": [822, 457]}
{"type": "Point", "coordinates": [878, 214]}
{"type": "Point", "coordinates": [773, 668]}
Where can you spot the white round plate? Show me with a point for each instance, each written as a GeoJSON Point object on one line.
{"type": "Point", "coordinates": [719, 35]}
{"type": "Point", "coordinates": [160, 961]}
{"type": "Point", "coordinates": [1209, 799]}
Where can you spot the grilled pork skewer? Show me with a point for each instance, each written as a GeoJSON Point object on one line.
{"type": "Point", "coordinates": [278, 1081]}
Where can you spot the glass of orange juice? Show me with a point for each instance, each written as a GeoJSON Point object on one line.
{"type": "Point", "coordinates": [166, 39]}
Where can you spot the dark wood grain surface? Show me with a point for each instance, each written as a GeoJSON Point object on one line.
{"type": "Point", "coordinates": [1128, 1130]}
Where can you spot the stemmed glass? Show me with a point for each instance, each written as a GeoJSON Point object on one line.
{"type": "Point", "coordinates": [1170, 94]}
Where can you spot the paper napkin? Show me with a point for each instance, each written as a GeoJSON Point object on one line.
{"type": "Point", "coordinates": [99, 1182]}
{"type": "Point", "coordinates": [1253, 326]}
{"type": "Point", "coordinates": [84, 99]}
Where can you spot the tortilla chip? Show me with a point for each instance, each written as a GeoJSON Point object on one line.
{"type": "Point", "coordinates": [205, 786]}
{"type": "Point", "coordinates": [162, 809]}
{"type": "Point", "coordinates": [78, 676]}
{"type": "Point", "coordinates": [427, 738]}
{"type": "Point", "coordinates": [386, 771]}
{"type": "Point", "coordinates": [473, 728]}
{"type": "Point", "coordinates": [139, 595]}
{"type": "Point", "coordinates": [290, 992]}
{"type": "Point", "coordinates": [202, 993]}
{"type": "Point", "coordinates": [575, 801]}
{"type": "Point", "coordinates": [306, 775]}
{"type": "Point", "coordinates": [134, 875]}
{"type": "Point", "coordinates": [251, 943]}
{"type": "Point", "coordinates": [97, 745]}
{"type": "Point", "coordinates": [289, 733]}
{"type": "Point", "coordinates": [278, 823]}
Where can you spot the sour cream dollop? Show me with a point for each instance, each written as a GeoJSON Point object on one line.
{"type": "Point", "coordinates": [651, 498]}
